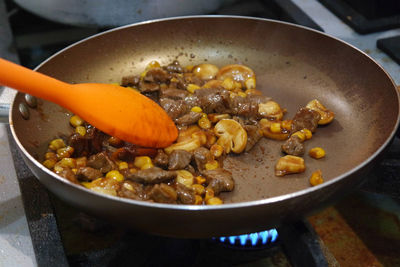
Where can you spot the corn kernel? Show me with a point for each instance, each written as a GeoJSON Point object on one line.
{"type": "Point", "coordinates": [147, 166]}
{"type": "Point", "coordinates": [228, 83]}
{"type": "Point", "coordinates": [153, 64]}
{"type": "Point", "coordinates": [139, 162]}
{"type": "Point", "coordinates": [184, 177]}
{"type": "Point", "coordinates": [123, 165]}
{"type": "Point", "coordinates": [58, 168]}
{"type": "Point", "coordinates": [116, 175]}
{"type": "Point", "coordinates": [65, 152]}
{"type": "Point", "coordinates": [276, 127]}
{"type": "Point", "coordinates": [197, 109]}
{"type": "Point", "coordinates": [212, 165]}
{"type": "Point", "coordinates": [80, 130]}
{"type": "Point", "coordinates": [250, 83]}
{"type": "Point", "coordinates": [216, 150]}
{"type": "Point", "coordinates": [68, 162]}
{"type": "Point", "coordinates": [50, 155]}
{"type": "Point", "coordinates": [200, 180]}
{"type": "Point", "coordinates": [198, 200]}
{"type": "Point", "coordinates": [287, 124]}
{"type": "Point", "coordinates": [174, 80]}
{"type": "Point", "coordinates": [316, 178]}
{"type": "Point", "coordinates": [49, 163]}
{"type": "Point", "coordinates": [143, 74]}
{"type": "Point", "coordinates": [56, 144]}
{"type": "Point", "coordinates": [76, 121]}
{"type": "Point", "coordinates": [87, 184]}
{"type": "Point", "coordinates": [242, 94]}
{"type": "Point", "coordinates": [198, 189]}
{"type": "Point", "coordinates": [204, 123]}
{"type": "Point", "coordinates": [300, 135]}
{"type": "Point", "coordinates": [192, 87]}
{"type": "Point", "coordinates": [214, 201]}
{"type": "Point", "coordinates": [209, 194]}
{"type": "Point", "coordinates": [307, 133]}
{"type": "Point", "coordinates": [317, 152]}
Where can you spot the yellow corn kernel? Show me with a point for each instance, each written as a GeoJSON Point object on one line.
{"type": "Point", "coordinates": [141, 161]}
{"type": "Point", "coordinates": [80, 130]}
{"type": "Point", "coordinates": [300, 135]}
{"type": "Point", "coordinates": [197, 109]}
{"type": "Point", "coordinates": [200, 179]}
{"type": "Point", "coordinates": [209, 194]}
{"type": "Point", "coordinates": [56, 144]}
{"type": "Point", "coordinates": [147, 166]}
{"type": "Point", "coordinates": [287, 124]}
{"type": "Point", "coordinates": [174, 80]}
{"type": "Point", "coordinates": [123, 165]}
{"type": "Point", "coordinates": [212, 165]}
{"type": "Point", "coordinates": [68, 162]}
{"type": "Point", "coordinates": [275, 127]}
{"type": "Point", "coordinates": [242, 94]}
{"type": "Point", "coordinates": [116, 175]}
{"type": "Point", "coordinates": [228, 83]}
{"type": "Point", "coordinates": [216, 150]}
{"type": "Point", "coordinates": [50, 155]}
{"type": "Point", "coordinates": [76, 121]}
{"type": "Point", "coordinates": [74, 170]}
{"type": "Point", "coordinates": [81, 162]}
{"type": "Point", "coordinates": [143, 74]}
{"type": "Point", "coordinates": [192, 87]}
{"type": "Point", "coordinates": [204, 123]}
{"type": "Point", "coordinates": [153, 64]}
{"type": "Point", "coordinates": [49, 163]}
{"type": "Point", "coordinates": [317, 152]}
{"type": "Point", "coordinates": [65, 152]}
{"type": "Point", "coordinates": [184, 177]}
{"type": "Point", "coordinates": [214, 201]}
{"type": "Point", "coordinates": [198, 189]}
{"type": "Point", "coordinates": [58, 168]}
{"type": "Point", "coordinates": [316, 178]}
{"type": "Point", "coordinates": [87, 184]}
{"type": "Point", "coordinates": [232, 94]}
{"type": "Point", "coordinates": [250, 83]}
{"type": "Point", "coordinates": [307, 133]}
{"type": "Point", "coordinates": [198, 200]}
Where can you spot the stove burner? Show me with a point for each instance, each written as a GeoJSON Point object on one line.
{"type": "Point", "coordinates": [250, 241]}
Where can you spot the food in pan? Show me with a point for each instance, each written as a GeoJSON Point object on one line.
{"type": "Point", "coordinates": [218, 112]}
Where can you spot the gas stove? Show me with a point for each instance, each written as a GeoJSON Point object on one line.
{"type": "Point", "coordinates": [38, 229]}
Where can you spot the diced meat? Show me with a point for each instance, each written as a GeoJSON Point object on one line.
{"type": "Point", "coordinates": [156, 75]}
{"type": "Point", "coordinates": [101, 162]}
{"type": "Point", "coordinates": [201, 156]}
{"type": "Point", "coordinates": [131, 80]}
{"type": "Point", "coordinates": [254, 134]}
{"type": "Point", "coordinates": [305, 119]}
{"type": "Point", "coordinates": [176, 94]}
{"type": "Point", "coordinates": [68, 174]}
{"type": "Point", "coordinates": [219, 180]}
{"type": "Point", "coordinates": [188, 119]}
{"type": "Point", "coordinates": [179, 159]}
{"type": "Point", "coordinates": [88, 173]}
{"type": "Point", "coordinates": [163, 193]}
{"type": "Point", "coordinates": [79, 143]}
{"type": "Point", "coordinates": [152, 175]}
{"type": "Point", "coordinates": [174, 67]}
{"type": "Point", "coordinates": [148, 87]}
{"type": "Point", "coordinates": [130, 151]}
{"type": "Point", "coordinates": [161, 158]}
{"type": "Point", "coordinates": [246, 106]}
{"type": "Point", "coordinates": [132, 190]}
{"type": "Point", "coordinates": [293, 146]}
{"type": "Point", "coordinates": [212, 100]}
{"type": "Point", "coordinates": [174, 108]}
{"type": "Point", "coordinates": [95, 139]}
{"type": "Point", "coordinates": [185, 194]}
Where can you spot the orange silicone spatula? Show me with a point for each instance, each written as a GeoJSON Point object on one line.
{"type": "Point", "coordinates": [115, 110]}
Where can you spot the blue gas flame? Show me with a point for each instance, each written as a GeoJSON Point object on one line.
{"type": "Point", "coordinates": [253, 239]}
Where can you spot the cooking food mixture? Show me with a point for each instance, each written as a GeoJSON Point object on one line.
{"type": "Point", "coordinates": [218, 111]}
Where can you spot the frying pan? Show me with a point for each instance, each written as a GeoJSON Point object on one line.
{"type": "Point", "coordinates": [293, 65]}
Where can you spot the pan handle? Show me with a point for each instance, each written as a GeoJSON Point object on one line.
{"type": "Point", "coordinates": [6, 97]}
